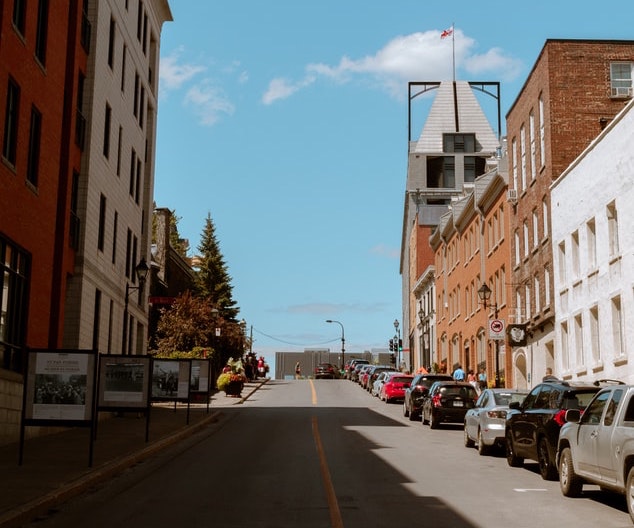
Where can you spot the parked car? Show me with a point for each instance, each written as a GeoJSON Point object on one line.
{"type": "Point", "coordinates": [416, 392]}
{"type": "Point", "coordinates": [373, 374]}
{"type": "Point", "coordinates": [394, 387]}
{"type": "Point", "coordinates": [349, 367]}
{"type": "Point", "coordinates": [354, 371]}
{"type": "Point", "coordinates": [484, 424]}
{"type": "Point", "coordinates": [448, 401]}
{"type": "Point", "coordinates": [380, 380]}
{"type": "Point", "coordinates": [532, 427]}
{"type": "Point", "coordinates": [597, 447]}
{"type": "Point", "coordinates": [326, 371]}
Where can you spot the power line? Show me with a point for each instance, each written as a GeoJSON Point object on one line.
{"type": "Point", "coordinates": [303, 345]}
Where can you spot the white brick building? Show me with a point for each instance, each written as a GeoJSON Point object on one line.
{"type": "Point", "coordinates": [114, 190]}
{"type": "Point", "coordinates": [593, 265]}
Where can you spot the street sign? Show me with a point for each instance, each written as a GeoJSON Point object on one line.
{"type": "Point", "coordinates": [496, 329]}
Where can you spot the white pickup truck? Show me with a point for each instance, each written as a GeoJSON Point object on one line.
{"type": "Point", "coordinates": [597, 446]}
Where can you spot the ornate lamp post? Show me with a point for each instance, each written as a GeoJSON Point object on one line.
{"type": "Point", "coordinates": [343, 341]}
{"type": "Point", "coordinates": [141, 270]}
{"type": "Point", "coordinates": [485, 294]}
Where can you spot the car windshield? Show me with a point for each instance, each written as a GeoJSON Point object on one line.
{"type": "Point", "coordinates": [401, 380]}
{"type": "Point", "coordinates": [460, 390]}
{"type": "Point", "coordinates": [578, 399]}
{"type": "Point", "coordinates": [505, 398]}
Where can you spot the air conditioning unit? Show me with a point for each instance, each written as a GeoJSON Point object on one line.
{"type": "Point", "coordinates": [511, 195]}
{"type": "Point", "coordinates": [622, 91]}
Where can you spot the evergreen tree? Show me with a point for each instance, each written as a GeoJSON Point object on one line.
{"type": "Point", "coordinates": [212, 280]}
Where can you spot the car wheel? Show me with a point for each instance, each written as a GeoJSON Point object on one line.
{"type": "Point", "coordinates": [547, 469]}
{"type": "Point", "coordinates": [512, 459]}
{"type": "Point", "coordinates": [424, 418]}
{"type": "Point", "coordinates": [483, 449]}
{"type": "Point", "coordinates": [413, 416]}
{"type": "Point", "coordinates": [569, 482]}
{"type": "Point", "coordinates": [629, 492]}
{"type": "Point", "coordinates": [405, 411]}
{"type": "Point", "coordinates": [467, 440]}
{"type": "Point", "coordinates": [433, 420]}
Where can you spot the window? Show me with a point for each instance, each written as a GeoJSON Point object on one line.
{"type": "Point", "coordinates": [10, 143]}
{"type": "Point", "coordinates": [575, 254]}
{"type": "Point", "coordinates": [115, 228]}
{"type": "Point", "coordinates": [621, 79]}
{"type": "Point", "coordinates": [591, 235]}
{"type": "Point", "coordinates": [562, 263]}
{"type": "Point", "coordinates": [517, 248]}
{"type": "Point", "coordinates": [14, 273]}
{"type": "Point", "coordinates": [139, 20]}
{"type": "Point", "coordinates": [459, 143]}
{"type": "Point", "coordinates": [535, 228]}
{"type": "Point", "coordinates": [531, 137]}
{"type": "Point", "coordinates": [74, 217]}
{"type": "Point", "coordinates": [526, 241]}
{"type": "Point", "coordinates": [613, 230]}
{"type": "Point", "coordinates": [595, 342]}
{"type": "Point", "coordinates": [527, 301]}
{"type": "Point", "coordinates": [102, 222]}
{"type": "Point", "coordinates": [546, 287]}
{"type": "Point", "coordinates": [123, 64]}
{"type": "Point", "coordinates": [96, 320]}
{"type": "Point", "coordinates": [19, 15]}
{"type": "Point", "coordinates": [106, 131]}
{"type": "Point", "coordinates": [514, 154]}
{"type": "Point", "coordinates": [111, 42]}
{"type": "Point", "coordinates": [440, 172]}
{"type": "Point", "coordinates": [536, 287]}
{"type": "Point", "coordinates": [542, 135]}
{"type": "Point", "coordinates": [42, 31]}
{"type": "Point", "coordinates": [565, 359]}
{"type": "Point", "coordinates": [618, 331]}
{"type": "Point", "coordinates": [80, 120]}
{"type": "Point", "coordinates": [474, 166]}
{"type": "Point", "coordinates": [35, 136]}
{"type": "Point", "coordinates": [545, 217]}
{"type": "Point", "coordinates": [579, 340]}
{"type": "Point", "coordinates": [523, 155]}
{"type": "Point", "coordinates": [119, 146]}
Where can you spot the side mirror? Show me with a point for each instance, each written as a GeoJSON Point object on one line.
{"type": "Point", "coordinates": [573, 415]}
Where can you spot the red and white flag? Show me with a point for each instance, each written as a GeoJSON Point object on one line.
{"type": "Point", "coordinates": [447, 33]}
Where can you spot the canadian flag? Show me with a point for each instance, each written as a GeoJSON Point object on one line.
{"type": "Point", "coordinates": [446, 33]}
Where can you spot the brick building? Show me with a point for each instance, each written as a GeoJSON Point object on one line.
{"type": "Point", "coordinates": [575, 88]}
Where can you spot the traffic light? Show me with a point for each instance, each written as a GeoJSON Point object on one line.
{"type": "Point", "coordinates": [400, 345]}
{"type": "Point", "coordinates": [393, 359]}
{"type": "Point", "coordinates": [391, 345]}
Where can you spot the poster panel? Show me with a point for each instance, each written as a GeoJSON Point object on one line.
{"type": "Point", "coordinates": [123, 381]}
{"type": "Point", "coordinates": [200, 375]}
{"type": "Point", "coordinates": [171, 379]}
{"type": "Point", "coordinates": [60, 386]}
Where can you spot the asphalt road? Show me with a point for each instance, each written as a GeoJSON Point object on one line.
{"type": "Point", "coordinates": [326, 454]}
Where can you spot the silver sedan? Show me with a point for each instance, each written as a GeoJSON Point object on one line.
{"type": "Point", "coordinates": [484, 424]}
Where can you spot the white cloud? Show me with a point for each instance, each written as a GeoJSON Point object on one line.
{"type": "Point", "coordinates": [417, 56]}
{"type": "Point", "coordinates": [385, 251]}
{"type": "Point", "coordinates": [173, 74]}
{"type": "Point", "coordinates": [209, 102]}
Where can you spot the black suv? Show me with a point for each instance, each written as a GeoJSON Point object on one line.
{"type": "Point", "coordinates": [532, 427]}
{"type": "Point", "coordinates": [417, 391]}
{"type": "Point", "coordinates": [448, 401]}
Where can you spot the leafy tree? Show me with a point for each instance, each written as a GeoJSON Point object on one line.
{"type": "Point", "coordinates": [212, 280]}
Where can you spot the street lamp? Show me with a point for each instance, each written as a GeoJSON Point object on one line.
{"type": "Point", "coordinates": [141, 270]}
{"type": "Point", "coordinates": [398, 344]}
{"type": "Point", "coordinates": [485, 294]}
{"type": "Point", "coordinates": [343, 341]}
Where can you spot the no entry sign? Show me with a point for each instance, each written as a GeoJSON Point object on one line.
{"type": "Point", "coordinates": [496, 328]}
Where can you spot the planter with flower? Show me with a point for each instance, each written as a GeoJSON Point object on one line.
{"type": "Point", "coordinates": [232, 379]}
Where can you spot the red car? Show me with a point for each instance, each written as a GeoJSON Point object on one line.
{"type": "Point", "coordinates": [394, 387]}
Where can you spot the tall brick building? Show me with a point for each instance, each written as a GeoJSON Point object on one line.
{"type": "Point", "coordinates": [575, 88]}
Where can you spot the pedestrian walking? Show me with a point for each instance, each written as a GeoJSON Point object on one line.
{"type": "Point", "coordinates": [298, 371]}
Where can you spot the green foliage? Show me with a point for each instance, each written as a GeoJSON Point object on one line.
{"type": "Point", "coordinates": [195, 353]}
{"type": "Point", "coordinates": [213, 281]}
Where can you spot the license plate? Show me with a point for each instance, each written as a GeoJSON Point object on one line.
{"type": "Point", "coordinates": [458, 403]}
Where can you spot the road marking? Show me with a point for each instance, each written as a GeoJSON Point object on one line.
{"type": "Point", "coordinates": [525, 490]}
{"type": "Point", "coordinates": [313, 391]}
{"type": "Point", "coordinates": [331, 496]}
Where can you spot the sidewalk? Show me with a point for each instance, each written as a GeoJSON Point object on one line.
{"type": "Point", "coordinates": [55, 467]}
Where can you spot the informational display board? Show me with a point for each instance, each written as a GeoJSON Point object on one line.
{"type": "Point", "coordinates": [171, 379]}
{"type": "Point", "coordinates": [124, 382]}
{"type": "Point", "coordinates": [59, 391]}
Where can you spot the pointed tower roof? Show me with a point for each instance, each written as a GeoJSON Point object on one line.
{"type": "Point", "coordinates": [456, 109]}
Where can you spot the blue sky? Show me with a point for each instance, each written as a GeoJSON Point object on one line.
{"type": "Point", "coordinates": [286, 120]}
